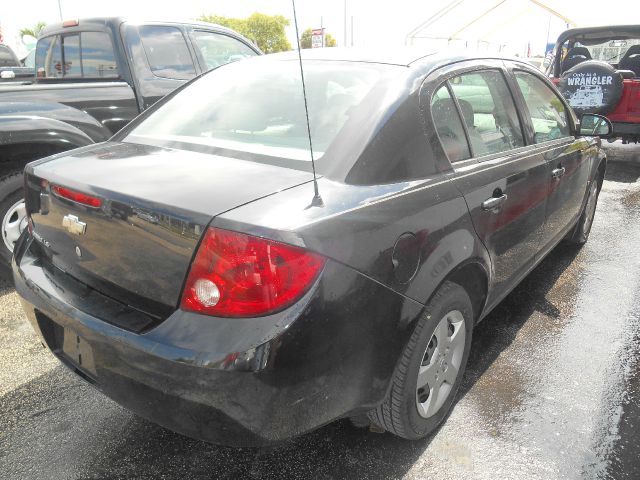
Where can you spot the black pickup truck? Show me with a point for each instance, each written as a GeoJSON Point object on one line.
{"type": "Point", "coordinates": [92, 77]}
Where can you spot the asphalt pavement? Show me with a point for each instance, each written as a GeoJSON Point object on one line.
{"type": "Point", "coordinates": [552, 389]}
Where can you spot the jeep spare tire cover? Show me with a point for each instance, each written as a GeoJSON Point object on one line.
{"type": "Point", "coordinates": [592, 87]}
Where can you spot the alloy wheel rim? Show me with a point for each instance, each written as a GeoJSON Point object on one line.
{"type": "Point", "coordinates": [590, 208]}
{"type": "Point", "coordinates": [440, 364]}
{"type": "Point", "coordinates": [13, 223]}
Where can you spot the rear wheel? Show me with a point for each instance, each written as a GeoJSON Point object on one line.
{"type": "Point", "coordinates": [583, 227]}
{"type": "Point", "coordinates": [430, 370]}
{"type": "Point", "coordinates": [12, 213]}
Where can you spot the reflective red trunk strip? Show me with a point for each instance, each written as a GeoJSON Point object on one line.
{"type": "Point", "coordinates": [77, 197]}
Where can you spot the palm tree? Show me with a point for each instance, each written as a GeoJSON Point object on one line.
{"type": "Point", "coordinates": [35, 31]}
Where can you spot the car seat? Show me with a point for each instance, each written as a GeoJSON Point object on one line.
{"type": "Point", "coordinates": [477, 143]}
{"type": "Point", "coordinates": [575, 56]}
{"type": "Point", "coordinates": [447, 122]}
{"type": "Point", "coordinates": [631, 60]}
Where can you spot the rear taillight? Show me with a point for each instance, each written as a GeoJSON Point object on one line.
{"type": "Point", "coordinates": [77, 197]}
{"type": "Point", "coordinates": [238, 275]}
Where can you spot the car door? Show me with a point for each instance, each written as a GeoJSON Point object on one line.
{"type": "Point", "coordinates": [503, 182]}
{"type": "Point", "coordinates": [550, 128]}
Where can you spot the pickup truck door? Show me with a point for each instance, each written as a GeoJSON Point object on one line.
{"type": "Point", "coordinates": [503, 181]}
{"type": "Point", "coordinates": [568, 167]}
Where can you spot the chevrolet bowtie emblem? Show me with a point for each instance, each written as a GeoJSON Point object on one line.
{"type": "Point", "coordinates": [74, 225]}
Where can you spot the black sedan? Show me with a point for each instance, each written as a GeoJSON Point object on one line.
{"type": "Point", "coordinates": [194, 270]}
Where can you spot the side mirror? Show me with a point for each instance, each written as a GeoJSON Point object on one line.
{"type": "Point", "coordinates": [593, 125]}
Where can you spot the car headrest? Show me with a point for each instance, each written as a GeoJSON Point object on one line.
{"type": "Point", "coordinates": [467, 112]}
{"type": "Point", "coordinates": [633, 50]}
{"type": "Point", "coordinates": [579, 51]}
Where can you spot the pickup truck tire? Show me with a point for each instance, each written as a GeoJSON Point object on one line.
{"type": "Point", "coordinates": [12, 213]}
{"type": "Point", "coordinates": [431, 367]}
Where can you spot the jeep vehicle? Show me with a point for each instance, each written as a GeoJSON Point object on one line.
{"type": "Point", "coordinates": [92, 78]}
{"type": "Point", "coordinates": [597, 69]}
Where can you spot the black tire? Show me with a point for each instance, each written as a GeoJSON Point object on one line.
{"type": "Point", "coordinates": [398, 413]}
{"type": "Point", "coordinates": [582, 229]}
{"type": "Point", "coordinates": [11, 187]}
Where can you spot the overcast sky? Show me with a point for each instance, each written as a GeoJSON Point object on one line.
{"type": "Point", "coordinates": [514, 23]}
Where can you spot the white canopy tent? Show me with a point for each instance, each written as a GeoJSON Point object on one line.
{"type": "Point", "coordinates": [522, 27]}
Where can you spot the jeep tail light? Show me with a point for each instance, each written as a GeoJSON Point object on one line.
{"type": "Point", "coordinates": [238, 275]}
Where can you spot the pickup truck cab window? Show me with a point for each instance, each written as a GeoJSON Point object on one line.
{"type": "Point", "coordinates": [218, 49]}
{"type": "Point", "coordinates": [449, 125]}
{"type": "Point", "coordinates": [167, 52]}
{"type": "Point", "coordinates": [72, 66]}
{"type": "Point", "coordinates": [488, 112]}
{"type": "Point", "coordinates": [78, 55]}
{"type": "Point", "coordinates": [548, 113]}
{"type": "Point", "coordinates": [98, 59]}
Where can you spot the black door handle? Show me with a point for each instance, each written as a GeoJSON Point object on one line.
{"type": "Point", "coordinates": [494, 203]}
{"type": "Point", "coordinates": [558, 172]}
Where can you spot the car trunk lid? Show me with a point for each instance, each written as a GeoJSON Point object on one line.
{"type": "Point", "coordinates": [137, 245]}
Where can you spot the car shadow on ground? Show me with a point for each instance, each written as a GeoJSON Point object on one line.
{"type": "Point", "coordinates": [117, 444]}
{"type": "Point", "coordinates": [623, 172]}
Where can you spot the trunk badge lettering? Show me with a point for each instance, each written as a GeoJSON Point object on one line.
{"type": "Point", "coordinates": [74, 225]}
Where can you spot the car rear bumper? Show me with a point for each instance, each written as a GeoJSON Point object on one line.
{"type": "Point", "coordinates": [232, 381]}
{"type": "Point", "coordinates": [626, 129]}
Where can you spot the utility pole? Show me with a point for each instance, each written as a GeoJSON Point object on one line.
{"type": "Point", "coordinates": [352, 30]}
{"type": "Point", "coordinates": [322, 30]}
{"type": "Point", "coordinates": [345, 23]}
{"type": "Point", "coordinates": [60, 9]}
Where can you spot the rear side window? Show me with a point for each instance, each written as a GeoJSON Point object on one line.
{"type": "Point", "coordinates": [218, 49]}
{"type": "Point", "coordinates": [84, 55]}
{"type": "Point", "coordinates": [449, 125]}
{"type": "Point", "coordinates": [548, 114]}
{"type": "Point", "coordinates": [488, 111]}
{"type": "Point", "coordinates": [167, 52]}
{"type": "Point", "coordinates": [7, 58]}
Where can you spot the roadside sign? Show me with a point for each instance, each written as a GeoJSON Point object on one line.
{"type": "Point", "coordinates": [317, 38]}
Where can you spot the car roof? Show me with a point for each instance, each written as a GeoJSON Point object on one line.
{"type": "Point", "coordinates": [401, 56]}
{"type": "Point", "coordinates": [592, 35]}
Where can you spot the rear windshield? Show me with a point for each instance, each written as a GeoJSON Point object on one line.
{"type": "Point", "coordinates": [256, 106]}
{"type": "Point", "coordinates": [611, 51]}
{"type": "Point", "coordinates": [76, 55]}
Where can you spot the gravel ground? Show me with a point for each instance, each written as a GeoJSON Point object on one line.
{"type": "Point", "coordinates": [552, 389]}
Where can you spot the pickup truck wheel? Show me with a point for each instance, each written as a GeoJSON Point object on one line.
{"type": "Point", "coordinates": [583, 227]}
{"type": "Point", "coordinates": [13, 214]}
{"type": "Point", "coordinates": [430, 370]}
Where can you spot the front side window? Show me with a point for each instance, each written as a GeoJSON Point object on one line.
{"type": "Point", "coordinates": [167, 52]}
{"type": "Point", "coordinates": [548, 113]}
{"type": "Point", "coordinates": [488, 112]}
{"type": "Point", "coordinates": [218, 49]}
{"type": "Point", "coordinates": [449, 125]}
{"type": "Point", "coordinates": [239, 108]}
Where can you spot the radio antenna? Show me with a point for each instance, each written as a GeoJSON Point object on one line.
{"type": "Point", "coordinates": [317, 199]}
